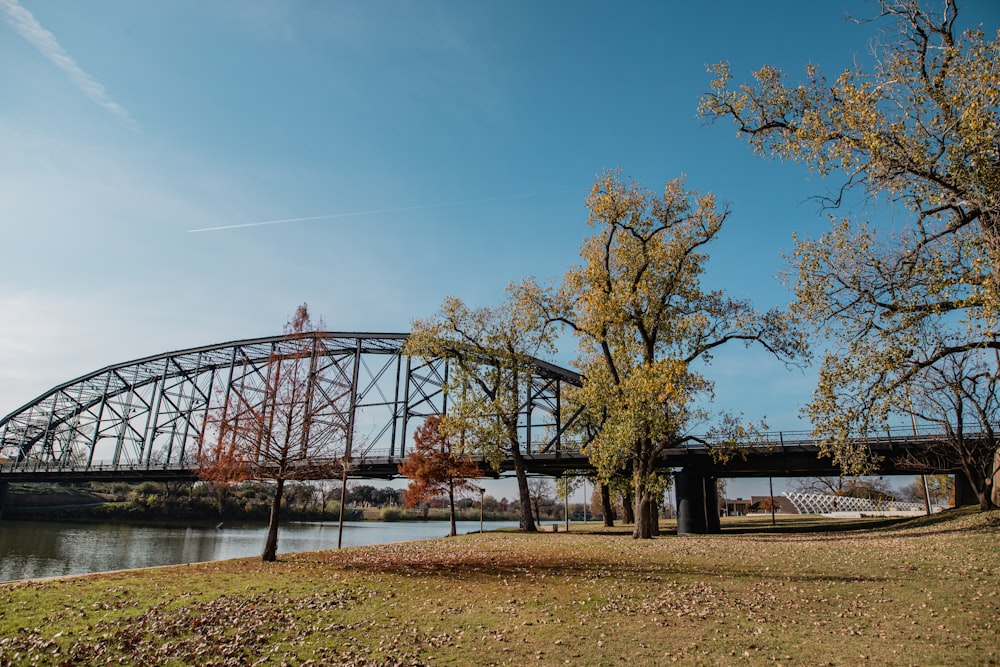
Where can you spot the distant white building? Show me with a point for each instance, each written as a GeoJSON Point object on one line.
{"type": "Point", "coordinates": [823, 503]}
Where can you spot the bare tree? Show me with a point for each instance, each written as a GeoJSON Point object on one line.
{"type": "Point", "coordinates": [959, 396]}
{"type": "Point", "coordinates": [541, 495]}
{"type": "Point", "coordinates": [833, 486]}
{"type": "Point", "coordinates": [940, 490]}
{"type": "Point", "coordinates": [874, 488]}
{"type": "Point", "coordinates": [283, 421]}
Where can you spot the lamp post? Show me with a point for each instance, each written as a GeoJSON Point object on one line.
{"type": "Point", "coordinates": [565, 481]}
{"type": "Point", "coordinates": [770, 486]}
{"type": "Point", "coordinates": [482, 494]}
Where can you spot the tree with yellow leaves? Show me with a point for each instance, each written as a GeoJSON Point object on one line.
{"type": "Point", "coordinates": [489, 351]}
{"type": "Point", "coordinates": [919, 129]}
{"type": "Point", "coordinates": [919, 132]}
{"type": "Point", "coordinates": [644, 322]}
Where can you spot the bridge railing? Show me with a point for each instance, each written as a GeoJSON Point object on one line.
{"type": "Point", "coordinates": [807, 439]}
{"type": "Point", "coordinates": [30, 466]}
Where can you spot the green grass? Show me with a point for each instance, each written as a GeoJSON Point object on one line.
{"type": "Point", "coordinates": [807, 592]}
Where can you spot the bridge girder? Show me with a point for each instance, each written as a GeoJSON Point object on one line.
{"type": "Point", "coordinates": [149, 414]}
{"type": "Point", "coordinates": [144, 419]}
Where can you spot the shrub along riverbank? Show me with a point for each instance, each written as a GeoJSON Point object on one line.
{"type": "Point", "coordinates": [155, 501]}
{"type": "Point", "coordinates": [923, 591]}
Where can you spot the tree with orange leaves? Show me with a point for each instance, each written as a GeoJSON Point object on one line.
{"type": "Point", "coordinates": [219, 465]}
{"type": "Point", "coordinates": [436, 467]}
{"type": "Point", "coordinates": [768, 504]}
{"type": "Point", "coordinates": [285, 418]}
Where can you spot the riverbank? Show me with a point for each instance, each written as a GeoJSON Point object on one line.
{"type": "Point", "coordinates": [923, 591]}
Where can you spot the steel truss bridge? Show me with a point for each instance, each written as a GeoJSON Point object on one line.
{"type": "Point", "coordinates": [146, 419]}
{"type": "Point", "coordinates": [149, 419]}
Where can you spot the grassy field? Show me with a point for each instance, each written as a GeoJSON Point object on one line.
{"type": "Point", "coordinates": [808, 592]}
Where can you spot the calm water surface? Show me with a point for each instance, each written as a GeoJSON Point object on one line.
{"type": "Point", "coordinates": [47, 548]}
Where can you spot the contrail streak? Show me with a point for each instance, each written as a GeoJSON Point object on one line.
{"type": "Point", "coordinates": [46, 43]}
{"type": "Point", "coordinates": [332, 216]}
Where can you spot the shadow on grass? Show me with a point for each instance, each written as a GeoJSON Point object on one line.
{"type": "Point", "coordinates": [527, 566]}
{"type": "Point", "coordinates": [818, 525]}
{"type": "Point", "coordinates": [947, 522]}
{"type": "Point", "coordinates": [785, 525]}
{"type": "Point", "coordinates": [613, 554]}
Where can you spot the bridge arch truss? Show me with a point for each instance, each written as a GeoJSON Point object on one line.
{"type": "Point", "coordinates": [148, 415]}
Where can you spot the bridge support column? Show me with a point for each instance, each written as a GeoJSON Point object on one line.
{"type": "Point", "coordinates": [697, 501]}
{"type": "Point", "coordinates": [964, 495]}
{"type": "Point", "coordinates": [4, 490]}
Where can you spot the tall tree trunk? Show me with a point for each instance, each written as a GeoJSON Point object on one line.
{"type": "Point", "coordinates": [527, 520]}
{"type": "Point", "coordinates": [975, 481]}
{"type": "Point", "coordinates": [270, 553]}
{"type": "Point", "coordinates": [642, 529]}
{"type": "Point", "coordinates": [642, 470]}
{"type": "Point", "coordinates": [606, 507]}
{"type": "Point", "coordinates": [628, 506]}
{"type": "Point", "coordinates": [995, 480]}
{"type": "Point", "coordinates": [221, 490]}
{"type": "Point", "coordinates": [451, 507]}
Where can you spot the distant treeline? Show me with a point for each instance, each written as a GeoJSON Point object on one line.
{"type": "Point", "coordinates": [250, 501]}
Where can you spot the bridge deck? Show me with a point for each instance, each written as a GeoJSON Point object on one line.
{"type": "Point", "coordinates": [784, 458]}
{"type": "Point", "coordinates": [149, 418]}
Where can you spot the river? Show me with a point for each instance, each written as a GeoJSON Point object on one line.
{"type": "Point", "coordinates": [30, 549]}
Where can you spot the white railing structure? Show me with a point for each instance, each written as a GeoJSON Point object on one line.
{"type": "Point", "coordinates": [823, 503]}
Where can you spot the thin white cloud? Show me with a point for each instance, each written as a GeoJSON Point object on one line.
{"type": "Point", "coordinates": [28, 26]}
{"type": "Point", "coordinates": [401, 209]}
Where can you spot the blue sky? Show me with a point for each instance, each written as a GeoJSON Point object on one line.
{"type": "Point", "coordinates": [454, 142]}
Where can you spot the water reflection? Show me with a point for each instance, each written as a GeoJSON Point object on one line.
{"type": "Point", "coordinates": [48, 549]}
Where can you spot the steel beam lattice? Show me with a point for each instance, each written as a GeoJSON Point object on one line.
{"type": "Point", "coordinates": [150, 414]}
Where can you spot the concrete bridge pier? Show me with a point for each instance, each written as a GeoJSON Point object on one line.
{"type": "Point", "coordinates": [697, 501]}
{"type": "Point", "coordinates": [964, 493]}
{"type": "Point", "coordinates": [4, 490]}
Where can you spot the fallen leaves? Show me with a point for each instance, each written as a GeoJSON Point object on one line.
{"type": "Point", "coordinates": [555, 599]}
